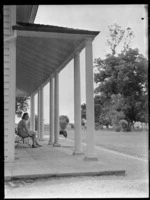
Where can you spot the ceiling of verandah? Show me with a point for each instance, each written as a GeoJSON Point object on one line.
{"type": "Point", "coordinates": [39, 57]}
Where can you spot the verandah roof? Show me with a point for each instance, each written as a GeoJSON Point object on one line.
{"type": "Point", "coordinates": [44, 49]}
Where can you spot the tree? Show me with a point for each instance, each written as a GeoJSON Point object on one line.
{"type": "Point", "coordinates": [83, 123]}
{"type": "Point", "coordinates": [97, 107]}
{"type": "Point", "coordinates": [115, 111]}
{"type": "Point", "coordinates": [118, 36]}
{"type": "Point", "coordinates": [100, 109]}
{"type": "Point", "coordinates": [36, 122]}
{"type": "Point", "coordinates": [22, 105]}
{"type": "Point", "coordinates": [126, 75]}
{"type": "Point", "coordinates": [128, 36]}
{"type": "Point", "coordinates": [83, 111]}
{"type": "Point", "coordinates": [115, 36]}
{"type": "Point", "coordinates": [123, 77]}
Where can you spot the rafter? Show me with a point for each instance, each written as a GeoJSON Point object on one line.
{"type": "Point", "coordinates": [27, 74]}
{"type": "Point", "coordinates": [57, 48]}
{"type": "Point", "coordinates": [33, 70]}
{"type": "Point", "coordinates": [33, 58]}
{"type": "Point", "coordinates": [33, 63]}
{"type": "Point", "coordinates": [42, 57]}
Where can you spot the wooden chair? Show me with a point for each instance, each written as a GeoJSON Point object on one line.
{"type": "Point", "coordinates": [22, 140]}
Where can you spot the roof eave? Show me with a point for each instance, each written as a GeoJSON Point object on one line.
{"type": "Point", "coordinates": [53, 29]}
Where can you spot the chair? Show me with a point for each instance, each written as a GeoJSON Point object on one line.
{"type": "Point", "coordinates": [22, 140]}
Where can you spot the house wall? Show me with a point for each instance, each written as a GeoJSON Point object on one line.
{"type": "Point", "coordinates": [9, 18]}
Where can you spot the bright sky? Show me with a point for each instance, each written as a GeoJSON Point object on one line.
{"type": "Point", "coordinates": [90, 17]}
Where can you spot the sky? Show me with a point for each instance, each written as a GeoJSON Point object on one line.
{"type": "Point", "coordinates": [90, 17]}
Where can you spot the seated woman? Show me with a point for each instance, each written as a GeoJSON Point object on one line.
{"type": "Point", "coordinates": [23, 130]}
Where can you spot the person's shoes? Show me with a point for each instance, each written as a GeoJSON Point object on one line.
{"type": "Point", "coordinates": [34, 146]}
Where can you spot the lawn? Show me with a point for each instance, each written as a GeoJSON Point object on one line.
{"type": "Point", "coordinates": [133, 143]}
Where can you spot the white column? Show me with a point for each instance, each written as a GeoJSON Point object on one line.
{"type": "Point", "coordinates": [41, 115]}
{"type": "Point", "coordinates": [77, 104]}
{"type": "Point", "coordinates": [32, 114]}
{"type": "Point", "coordinates": [12, 89]}
{"type": "Point", "coordinates": [51, 112]}
{"type": "Point", "coordinates": [38, 114]}
{"type": "Point", "coordinates": [56, 112]}
{"type": "Point", "coordinates": [90, 151]}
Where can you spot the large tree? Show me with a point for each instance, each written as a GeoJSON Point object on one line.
{"type": "Point", "coordinates": [126, 75]}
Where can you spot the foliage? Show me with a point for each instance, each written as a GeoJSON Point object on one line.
{"type": "Point", "coordinates": [36, 122]}
{"type": "Point", "coordinates": [125, 75]}
{"type": "Point", "coordinates": [83, 115]}
{"type": "Point", "coordinates": [63, 121]}
{"type": "Point", "coordinates": [100, 111]}
{"type": "Point", "coordinates": [124, 125]}
{"type": "Point", "coordinates": [98, 101]}
{"type": "Point", "coordinates": [118, 36]}
{"type": "Point", "coordinates": [83, 122]}
{"type": "Point", "coordinates": [122, 83]}
{"type": "Point", "coordinates": [21, 105]}
{"type": "Point", "coordinates": [114, 111]}
{"type": "Point", "coordinates": [83, 111]}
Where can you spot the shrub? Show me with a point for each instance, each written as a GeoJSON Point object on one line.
{"type": "Point", "coordinates": [117, 127]}
{"type": "Point", "coordinates": [124, 125]}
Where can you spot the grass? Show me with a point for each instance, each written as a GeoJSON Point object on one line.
{"type": "Point", "coordinates": [133, 143]}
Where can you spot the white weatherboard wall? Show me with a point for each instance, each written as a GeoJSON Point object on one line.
{"type": "Point", "coordinates": [9, 83]}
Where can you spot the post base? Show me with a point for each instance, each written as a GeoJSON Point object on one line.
{"type": "Point", "coordinates": [86, 158]}
{"type": "Point", "coordinates": [77, 152]}
{"type": "Point", "coordinates": [56, 145]}
{"type": "Point", "coordinates": [50, 143]}
{"type": "Point", "coordinates": [41, 139]}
